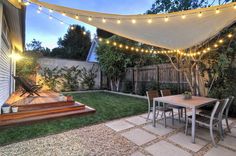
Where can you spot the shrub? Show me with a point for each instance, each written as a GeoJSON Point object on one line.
{"type": "Point", "coordinates": [70, 78]}
{"type": "Point", "coordinates": [87, 77]}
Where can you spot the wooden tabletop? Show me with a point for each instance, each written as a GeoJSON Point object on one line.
{"type": "Point", "coordinates": [178, 100]}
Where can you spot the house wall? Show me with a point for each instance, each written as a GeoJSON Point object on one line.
{"type": "Point", "coordinates": [56, 62]}
{"type": "Point", "coordinates": [6, 64]}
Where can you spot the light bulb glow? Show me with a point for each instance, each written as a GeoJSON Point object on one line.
{"type": "Point", "coordinates": [26, 3]}
{"type": "Point", "coordinates": [114, 43]}
{"type": "Point", "coordinates": [200, 14]}
{"type": "Point", "coordinates": [126, 47]}
{"type": "Point", "coordinates": [103, 20]}
{"type": "Point", "coordinates": [149, 21]}
{"type": "Point", "coordinates": [215, 45]}
{"type": "Point", "coordinates": [90, 19]}
{"type": "Point", "coordinates": [50, 17]}
{"type": "Point", "coordinates": [84, 33]}
{"type": "Point", "coordinates": [118, 21]}
{"type": "Point", "coordinates": [76, 17]}
{"type": "Point", "coordinates": [234, 6]}
{"type": "Point", "coordinates": [72, 28]}
{"type": "Point", "coordinates": [38, 11]}
{"type": "Point", "coordinates": [50, 10]}
{"type": "Point", "coordinates": [16, 56]}
{"type": "Point", "coordinates": [107, 42]}
{"type": "Point", "coordinates": [166, 19]}
{"type": "Point", "coordinates": [63, 14]}
{"type": "Point", "coordinates": [217, 11]}
{"type": "Point", "coordinates": [133, 21]}
{"type": "Point", "coordinates": [100, 39]}
{"type": "Point", "coordinates": [230, 35]}
{"type": "Point", "coordinates": [40, 8]}
{"type": "Point", "coordinates": [221, 41]}
{"type": "Point", "coordinates": [183, 16]}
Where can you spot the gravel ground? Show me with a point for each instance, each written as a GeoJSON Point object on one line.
{"type": "Point", "coordinates": [93, 140]}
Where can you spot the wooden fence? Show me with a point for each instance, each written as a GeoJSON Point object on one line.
{"type": "Point", "coordinates": [162, 76]}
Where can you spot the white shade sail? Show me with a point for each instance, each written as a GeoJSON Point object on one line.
{"type": "Point", "coordinates": [179, 30]}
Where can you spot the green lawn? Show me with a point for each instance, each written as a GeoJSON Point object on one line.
{"type": "Point", "coordinates": [108, 106]}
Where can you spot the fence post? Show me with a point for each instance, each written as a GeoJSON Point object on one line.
{"type": "Point", "coordinates": [157, 77]}
{"type": "Point", "coordinates": [133, 89]}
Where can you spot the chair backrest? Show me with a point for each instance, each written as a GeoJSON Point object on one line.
{"type": "Point", "coordinates": [165, 92]}
{"type": "Point", "coordinates": [231, 99]}
{"type": "Point", "coordinates": [221, 108]}
{"type": "Point", "coordinates": [150, 95]}
{"type": "Point", "coordinates": [24, 84]}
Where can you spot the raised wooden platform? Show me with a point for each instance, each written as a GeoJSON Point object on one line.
{"type": "Point", "coordinates": [45, 107]}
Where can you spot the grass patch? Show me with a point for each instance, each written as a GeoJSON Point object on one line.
{"type": "Point", "coordinates": [108, 107]}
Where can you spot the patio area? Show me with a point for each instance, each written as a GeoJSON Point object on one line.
{"type": "Point", "coordinates": [127, 136]}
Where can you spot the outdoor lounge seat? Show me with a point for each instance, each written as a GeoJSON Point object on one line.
{"type": "Point", "coordinates": [224, 116]}
{"type": "Point", "coordinates": [211, 122]}
{"type": "Point", "coordinates": [153, 94]}
{"type": "Point", "coordinates": [167, 92]}
{"type": "Point", "coordinates": [28, 87]}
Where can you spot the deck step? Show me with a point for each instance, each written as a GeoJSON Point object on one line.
{"type": "Point", "coordinates": [33, 119]}
{"type": "Point", "coordinates": [45, 111]}
{"type": "Point", "coordinates": [29, 107]}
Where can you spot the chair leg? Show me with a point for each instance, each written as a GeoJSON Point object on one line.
{"type": "Point", "coordinates": [149, 111]}
{"type": "Point", "coordinates": [165, 118]}
{"type": "Point", "coordinates": [221, 131]}
{"type": "Point", "coordinates": [179, 113]}
{"type": "Point", "coordinates": [227, 124]}
{"type": "Point", "coordinates": [23, 93]}
{"type": "Point", "coordinates": [172, 117]}
{"type": "Point", "coordinates": [212, 136]}
{"type": "Point", "coordinates": [186, 127]}
{"type": "Point", "coordinates": [185, 114]}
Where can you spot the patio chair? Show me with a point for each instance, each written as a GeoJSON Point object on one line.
{"type": "Point", "coordinates": [167, 92]}
{"type": "Point", "coordinates": [224, 116]}
{"type": "Point", "coordinates": [28, 87]}
{"type": "Point", "coordinates": [211, 122]}
{"type": "Point", "coordinates": [152, 94]}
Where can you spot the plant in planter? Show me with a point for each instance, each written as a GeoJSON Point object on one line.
{"type": "Point", "coordinates": [187, 95]}
{"type": "Point", "coordinates": [14, 109]}
{"type": "Point", "coordinates": [6, 108]}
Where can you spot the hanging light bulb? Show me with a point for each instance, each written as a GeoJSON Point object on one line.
{"type": "Point", "coordinates": [118, 21]}
{"type": "Point", "coordinates": [84, 33]}
{"type": "Point", "coordinates": [126, 47]}
{"type": "Point", "coordinates": [90, 19]}
{"type": "Point", "coordinates": [103, 20]}
{"type": "Point", "coordinates": [200, 14]}
{"type": "Point", "coordinates": [142, 50]}
{"type": "Point", "coordinates": [26, 3]}
{"type": "Point", "coordinates": [208, 49]}
{"type": "Point", "coordinates": [183, 16]}
{"type": "Point", "coordinates": [217, 11]}
{"type": "Point", "coordinates": [40, 8]}
{"type": "Point", "coordinates": [50, 10]}
{"type": "Point", "coordinates": [50, 17]}
{"type": "Point", "coordinates": [234, 6]}
{"type": "Point", "coordinates": [133, 21]}
{"type": "Point", "coordinates": [120, 45]}
{"type": "Point", "coordinates": [62, 22]}
{"type": "Point", "coordinates": [107, 41]}
{"type": "Point", "coordinates": [204, 51]}
{"type": "Point", "coordinates": [100, 39]}
{"type": "Point", "coordinates": [72, 28]}
{"type": "Point", "coordinates": [38, 11]}
{"type": "Point", "coordinates": [221, 41]}
{"type": "Point", "coordinates": [230, 35]}
{"type": "Point", "coordinates": [76, 17]}
{"type": "Point", "coordinates": [215, 45]}
{"type": "Point", "coordinates": [114, 43]}
{"type": "Point", "coordinates": [149, 21]}
{"type": "Point", "coordinates": [137, 49]}
{"type": "Point", "coordinates": [132, 48]}
{"type": "Point", "coordinates": [63, 14]}
{"type": "Point", "coordinates": [166, 19]}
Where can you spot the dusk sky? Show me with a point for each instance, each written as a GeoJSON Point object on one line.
{"type": "Point", "coordinates": [47, 31]}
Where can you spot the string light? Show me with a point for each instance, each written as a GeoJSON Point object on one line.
{"type": "Point", "coordinates": [118, 21]}
{"type": "Point", "coordinates": [90, 19]}
{"type": "Point", "coordinates": [230, 35]}
{"type": "Point", "coordinates": [143, 50]}
{"type": "Point", "coordinates": [40, 8]}
{"type": "Point", "coordinates": [217, 11]}
{"type": "Point", "coordinates": [50, 10]}
{"type": "Point", "coordinates": [166, 19]}
{"type": "Point", "coordinates": [63, 14]}
{"type": "Point", "coordinates": [183, 16]}
{"type": "Point", "coordinates": [200, 14]}
{"type": "Point", "coordinates": [221, 41]}
{"type": "Point", "coordinates": [149, 21]}
{"type": "Point", "coordinates": [26, 3]}
{"type": "Point", "coordinates": [103, 20]}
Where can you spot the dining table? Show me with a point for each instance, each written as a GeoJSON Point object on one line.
{"type": "Point", "coordinates": [193, 103]}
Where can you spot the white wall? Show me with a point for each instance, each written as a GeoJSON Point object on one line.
{"type": "Point", "coordinates": [56, 62]}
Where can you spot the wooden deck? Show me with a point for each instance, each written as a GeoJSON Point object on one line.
{"type": "Point", "coordinates": [44, 107]}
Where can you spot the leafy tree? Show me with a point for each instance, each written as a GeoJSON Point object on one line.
{"type": "Point", "coordinates": [74, 45]}
{"type": "Point", "coordinates": [36, 47]}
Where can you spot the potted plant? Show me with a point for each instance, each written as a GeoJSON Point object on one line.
{"type": "Point", "coordinates": [187, 95]}
{"type": "Point", "coordinates": [14, 109]}
{"type": "Point", "coordinates": [6, 108]}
